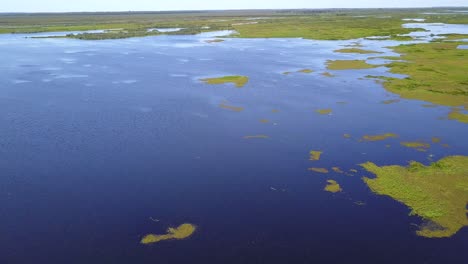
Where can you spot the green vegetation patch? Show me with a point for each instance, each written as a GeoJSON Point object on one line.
{"type": "Point", "coordinates": [257, 136]}
{"type": "Point", "coordinates": [379, 137]}
{"type": "Point", "coordinates": [356, 50]}
{"type": "Point", "coordinates": [214, 40]}
{"type": "Point", "coordinates": [315, 155]}
{"type": "Point", "coordinates": [332, 186]}
{"type": "Point", "coordinates": [181, 232]}
{"type": "Point", "coordinates": [438, 193]}
{"type": "Point", "coordinates": [416, 144]}
{"type": "Point", "coordinates": [239, 81]}
{"type": "Point", "coordinates": [319, 170]}
{"type": "Point", "coordinates": [324, 111]}
{"type": "Point", "coordinates": [349, 65]}
{"type": "Point", "coordinates": [437, 73]}
{"type": "Point", "coordinates": [232, 108]}
{"type": "Point", "coordinates": [306, 71]}
{"type": "Point", "coordinates": [456, 114]}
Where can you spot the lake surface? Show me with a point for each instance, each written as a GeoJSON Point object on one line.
{"type": "Point", "coordinates": [100, 138]}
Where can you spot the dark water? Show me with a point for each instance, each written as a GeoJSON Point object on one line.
{"type": "Point", "coordinates": [96, 137]}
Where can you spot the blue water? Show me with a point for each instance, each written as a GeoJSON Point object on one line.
{"type": "Point", "coordinates": [97, 137]}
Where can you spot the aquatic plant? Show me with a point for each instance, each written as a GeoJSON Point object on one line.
{"type": "Point", "coordinates": [391, 101]}
{"type": "Point", "coordinates": [337, 170]}
{"type": "Point", "coordinates": [379, 137]}
{"type": "Point", "coordinates": [232, 108]}
{"type": "Point", "coordinates": [349, 65]}
{"type": "Point", "coordinates": [327, 74]}
{"type": "Point", "coordinates": [332, 186]}
{"type": "Point", "coordinates": [315, 155]}
{"type": "Point", "coordinates": [214, 40]}
{"type": "Point", "coordinates": [306, 71]}
{"type": "Point", "coordinates": [356, 50]}
{"type": "Point", "coordinates": [319, 170]}
{"type": "Point", "coordinates": [257, 136]}
{"type": "Point", "coordinates": [239, 81]}
{"type": "Point", "coordinates": [346, 135]}
{"type": "Point", "coordinates": [324, 111]}
{"type": "Point", "coordinates": [181, 232]}
{"type": "Point", "coordinates": [438, 192]}
{"type": "Point", "coordinates": [416, 144]}
{"type": "Point", "coordinates": [264, 121]}
{"type": "Point", "coordinates": [456, 114]}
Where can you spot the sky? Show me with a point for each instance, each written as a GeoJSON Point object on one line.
{"type": "Point", "coordinates": [158, 5]}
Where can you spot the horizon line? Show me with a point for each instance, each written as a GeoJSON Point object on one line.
{"type": "Point", "coordinates": [220, 10]}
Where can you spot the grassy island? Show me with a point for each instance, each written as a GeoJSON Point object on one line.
{"type": "Point", "coordinates": [238, 81]}
{"type": "Point", "coordinates": [332, 186]}
{"type": "Point", "coordinates": [181, 232]}
{"type": "Point", "coordinates": [349, 65]}
{"type": "Point", "coordinates": [438, 192]}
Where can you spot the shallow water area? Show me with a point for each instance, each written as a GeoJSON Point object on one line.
{"type": "Point", "coordinates": [106, 141]}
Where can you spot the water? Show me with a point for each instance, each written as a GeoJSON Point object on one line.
{"type": "Point", "coordinates": [97, 137]}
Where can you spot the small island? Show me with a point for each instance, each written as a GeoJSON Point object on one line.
{"type": "Point", "coordinates": [181, 232]}
{"type": "Point", "coordinates": [438, 192]}
{"type": "Point", "coordinates": [349, 65]}
{"type": "Point", "coordinates": [237, 80]}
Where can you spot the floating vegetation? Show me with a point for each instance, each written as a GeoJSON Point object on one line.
{"type": "Point", "coordinates": [392, 101]}
{"type": "Point", "coordinates": [315, 155]}
{"type": "Point", "coordinates": [337, 170]}
{"type": "Point", "coordinates": [346, 135]}
{"type": "Point", "coordinates": [319, 170]}
{"type": "Point", "coordinates": [353, 170]}
{"type": "Point", "coordinates": [239, 81]}
{"type": "Point", "coordinates": [416, 145]}
{"type": "Point", "coordinates": [356, 50]}
{"type": "Point", "coordinates": [305, 71]}
{"type": "Point", "coordinates": [456, 114]}
{"type": "Point", "coordinates": [287, 73]}
{"type": "Point", "coordinates": [349, 65]}
{"type": "Point", "coordinates": [257, 136]}
{"type": "Point", "coordinates": [327, 74]}
{"type": "Point", "coordinates": [181, 232]}
{"type": "Point", "coordinates": [264, 121]}
{"type": "Point", "coordinates": [214, 40]}
{"type": "Point", "coordinates": [438, 193]}
{"type": "Point", "coordinates": [275, 111]}
{"type": "Point", "coordinates": [332, 186]}
{"type": "Point", "coordinates": [324, 111]}
{"type": "Point", "coordinates": [379, 137]}
{"type": "Point", "coordinates": [232, 108]}
{"type": "Point", "coordinates": [435, 140]}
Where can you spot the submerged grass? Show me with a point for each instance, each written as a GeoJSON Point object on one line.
{"type": "Point", "coordinates": [438, 193]}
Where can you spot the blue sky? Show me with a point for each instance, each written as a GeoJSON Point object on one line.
{"type": "Point", "coordinates": [156, 5]}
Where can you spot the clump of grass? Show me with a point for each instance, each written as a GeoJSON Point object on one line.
{"type": "Point", "coordinates": [319, 170]}
{"type": "Point", "coordinates": [438, 192]}
{"type": "Point", "coordinates": [327, 74]}
{"type": "Point", "coordinates": [315, 155]}
{"type": "Point", "coordinates": [324, 111]}
{"type": "Point", "coordinates": [379, 137]}
{"type": "Point", "coordinates": [181, 232]}
{"type": "Point", "coordinates": [232, 108]}
{"type": "Point", "coordinates": [306, 71]}
{"type": "Point", "coordinates": [214, 40]}
{"type": "Point", "coordinates": [391, 101]}
{"type": "Point", "coordinates": [349, 65]}
{"type": "Point", "coordinates": [257, 136]}
{"type": "Point", "coordinates": [332, 186]}
{"type": "Point", "coordinates": [416, 144]}
{"type": "Point", "coordinates": [239, 81]}
{"type": "Point", "coordinates": [337, 170]}
{"type": "Point", "coordinates": [456, 114]}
